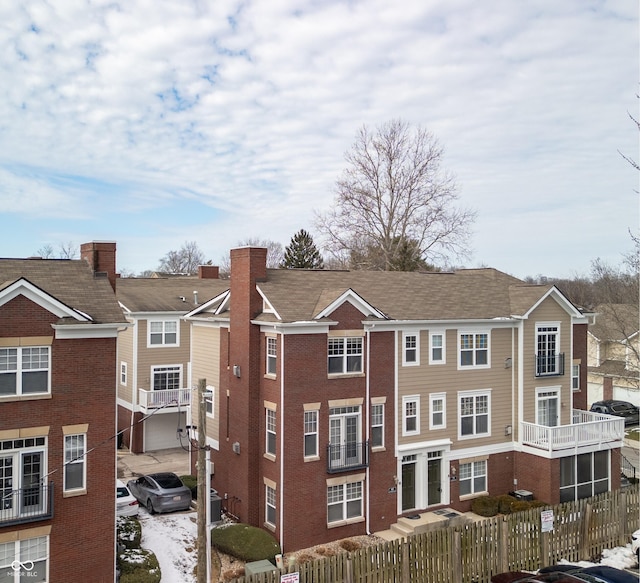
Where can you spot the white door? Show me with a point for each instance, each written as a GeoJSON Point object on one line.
{"type": "Point", "coordinates": [547, 405]}
{"type": "Point", "coordinates": [160, 431]}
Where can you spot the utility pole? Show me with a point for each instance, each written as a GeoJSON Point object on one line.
{"type": "Point", "coordinates": [203, 492]}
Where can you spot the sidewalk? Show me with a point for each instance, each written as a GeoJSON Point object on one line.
{"type": "Point", "coordinates": [168, 460]}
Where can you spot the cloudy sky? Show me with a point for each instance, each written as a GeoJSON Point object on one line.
{"type": "Point", "coordinates": [155, 122]}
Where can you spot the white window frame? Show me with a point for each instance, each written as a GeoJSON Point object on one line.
{"type": "Point", "coordinates": [377, 421]}
{"type": "Point", "coordinates": [163, 332]}
{"type": "Point", "coordinates": [123, 373]}
{"type": "Point", "coordinates": [271, 344]}
{"type": "Point", "coordinates": [210, 401]}
{"type": "Point", "coordinates": [310, 430]}
{"type": "Point", "coordinates": [474, 349]}
{"type": "Point", "coordinates": [575, 377]}
{"type": "Point", "coordinates": [443, 338]}
{"type": "Point", "coordinates": [435, 398]}
{"type": "Point", "coordinates": [15, 366]}
{"type": "Point", "coordinates": [344, 496]}
{"type": "Point", "coordinates": [475, 415]}
{"type": "Point", "coordinates": [471, 472]}
{"type": "Point", "coordinates": [347, 346]}
{"type": "Point", "coordinates": [270, 436]}
{"type": "Point", "coordinates": [270, 505]}
{"type": "Point", "coordinates": [165, 369]}
{"type": "Point", "coordinates": [26, 551]}
{"type": "Point", "coordinates": [75, 454]}
{"type": "Point", "coordinates": [406, 401]}
{"type": "Point", "coordinates": [414, 339]}
{"type": "Point", "coordinates": [548, 329]}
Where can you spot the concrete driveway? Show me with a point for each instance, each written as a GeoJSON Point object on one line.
{"type": "Point", "coordinates": [131, 465]}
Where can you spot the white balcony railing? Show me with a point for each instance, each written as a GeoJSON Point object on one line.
{"type": "Point", "coordinates": [587, 429]}
{"type": "Point", "coordinates": [165, 398]}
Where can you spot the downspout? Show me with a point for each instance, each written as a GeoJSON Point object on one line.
{"type": "Point", "coordinates": [282, 440]}
{"type": "Point", "coordinates": [366, 414]}
{"type": "Point", "coordinates": [395, 419]}
{"type": "Point", "coordinates": [521, 364]}
{"type": "Point", "coordinates": [134, 383]}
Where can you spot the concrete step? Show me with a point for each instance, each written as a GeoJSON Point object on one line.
{"type": "Point", "coordinates": [389, 535]}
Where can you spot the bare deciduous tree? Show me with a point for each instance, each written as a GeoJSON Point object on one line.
{"type": "Point", "coordinates": [185, 260]}
{"type": "Point", "coordinates": [395, 192]}
{"type": "Point", "coordinates": [275, 254]}
{"type": "Point", "coordinates": [68, 250]}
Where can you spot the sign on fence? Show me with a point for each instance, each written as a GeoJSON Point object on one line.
{"type": "Point", "coordinates": [546, 516]}
{"type": "Point", "coordinates": [290, 578]}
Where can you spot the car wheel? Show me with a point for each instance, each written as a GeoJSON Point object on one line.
{"type": "Point", "coordinates": [150, 507]}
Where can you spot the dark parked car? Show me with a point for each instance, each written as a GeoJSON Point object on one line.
{"type": "Point", "coordinates": [162, 492]}
{"type": "Point", "coordinates": [618, 408]}
{"type": "Point", "coordinates": [569, 574]}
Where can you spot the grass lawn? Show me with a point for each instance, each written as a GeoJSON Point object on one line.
{"type": "Point", "coordinates": [633, 433]}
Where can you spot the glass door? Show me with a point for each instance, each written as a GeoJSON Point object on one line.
{"type": "Point", "coordinates": [408, 482]}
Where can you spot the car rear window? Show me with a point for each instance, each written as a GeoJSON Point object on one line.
{"type": "Point", "coordinates": [168, 481]}
{"type": "Point", "coordinates": [623, 408]}
{"type": "Point", "coordinates": [122, 492]}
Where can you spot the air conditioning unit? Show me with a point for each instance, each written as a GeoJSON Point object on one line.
{"type": "Point", "coordinates": [236, 447]}
{"type": "Point", "coordinates": [523, 495]}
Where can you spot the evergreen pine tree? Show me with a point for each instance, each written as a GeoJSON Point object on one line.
{"type": "Point", "coordinates": [302, 253]}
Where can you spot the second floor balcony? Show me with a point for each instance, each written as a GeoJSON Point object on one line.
{"type": "Point", "coordinates": [587, 429]}
{"type": "Point", "coordinates": [167, 398]}
{"type": "Point", "coordinates": [26, 504]}
{"type": "Point", "coordinates": [347, 457]}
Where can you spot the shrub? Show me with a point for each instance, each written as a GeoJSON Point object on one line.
{"type": "Point", "coordinates": [138, 566]}
{"type": "Point", "coordinates": [247, 543]}
{"type": "Point", "coordinates": [485, 506]}
{"type": "Point", "coordinates": [191, 482]}
{"type": "Point", "coordinates": [128, 531]}
{"type": "Point", "coordinates": [350, 545]}
{"type": "Point", "coordinates": [505, 503]}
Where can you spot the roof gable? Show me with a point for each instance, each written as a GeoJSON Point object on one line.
{"type": "Point", "coordinates": [329, 300]}
{"type": "Point", "coordinates": [554, 293]}
{"type": "Point", "coordinates": [23, 287]}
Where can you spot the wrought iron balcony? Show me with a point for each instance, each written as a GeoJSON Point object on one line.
{"type": "Point", "coordinates": [164, 398]}
{"type": "Point", "coordinates": [26, 504]}
{"type": "Point", "coordinates": [347, 457]}
{"type": "Point", "coordinates": [548, 365]}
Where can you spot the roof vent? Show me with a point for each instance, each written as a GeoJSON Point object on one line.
{"type": "Point", "coordinates": [101, 274]}
{"type": "Point", "coordinates": [195, 297]}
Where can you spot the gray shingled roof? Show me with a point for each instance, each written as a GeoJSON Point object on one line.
{"type": "Point", "coordinates": [475, 294]}
{"type": "Point", "coordinates": [69, 281]}
{"type": "Point", "coordinates": [165, 294]}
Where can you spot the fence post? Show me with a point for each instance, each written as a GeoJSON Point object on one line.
{"type": "Point", "coordinates": [349, 575]}
{"type": "Point", "coordinates": [586, 539]}
{"type": "Point", "coordinates": [457, 553]}
{"type": "Point", "coordinates": [504, 545]}
{"type": "Point", "coordinates": [404, 548]}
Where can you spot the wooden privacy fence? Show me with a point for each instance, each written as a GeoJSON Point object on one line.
{"type": "Point", "coordinates": [474, 552]}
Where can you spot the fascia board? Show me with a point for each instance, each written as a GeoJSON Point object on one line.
{"type": "Point", "coordinates": [204, 307]}
{"type": "Point", "coordinates": [295, 327]}
{"type": "Point", "coordinates": [578, 317]}
{"type": "Point", "coordinates": [355, 300]}
{"type": "Point", "coordinates": [406, 324]}
{"type": "Point", "coordinates": [72, 331]}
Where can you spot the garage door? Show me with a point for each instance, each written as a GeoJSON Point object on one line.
{"type": "Point", "coordinates": [160, 431]}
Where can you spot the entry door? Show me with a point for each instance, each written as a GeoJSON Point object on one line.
{"type": "Point", "coordinates": [548, 408]}
{"type": "Point", "coordinates": [31, 500]}
{"type": "Point", "coordinates": [434, 485]}
{"type": "Point", "coordinates": [408, 482]}
{"type": "Point", "coordinates": [6, 484]}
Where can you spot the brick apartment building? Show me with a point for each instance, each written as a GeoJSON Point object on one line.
{"type": "Point", "coordinates": [342, 401]}
{"type": "Point", "coordinates": [59, 322]}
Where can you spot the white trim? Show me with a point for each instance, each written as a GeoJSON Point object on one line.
{"type": "Point", "coordinates": [443, 335]}
{"type": "Point", "coordinates": [414, 334]}
{"type": "Point", "coordinates": [471, 332]}
{"type": "Point", "coordinates": [355, 300]}
{"type": "Point", "coordinates": [438, 397]}
{"type": "Point", "coordinates": [154, 320]}
{"type": "Point", "coordinates": [473, 394]}
{"type": "Point", "coordinates": [74, 331]}
{"type": "Point", "coordinates": [406, 399]}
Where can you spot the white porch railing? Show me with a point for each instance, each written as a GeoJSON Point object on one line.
{"type": "Point", "coordinates": [166, 398]}
{"type": "Point", "coordinates": [587, 429]}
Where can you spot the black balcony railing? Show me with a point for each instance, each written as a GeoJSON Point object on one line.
{"type": "Point", "coordinates": [346, 457]}
{"type": "Point", "coordinates": [26, 504]}
{"type": "Point", "coordinates": [548, 365]}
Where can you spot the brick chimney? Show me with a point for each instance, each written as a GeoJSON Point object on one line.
{"type": "Point", "coordinates": [101, 256]}
{"type": "Point", "coordinates": [248, 266]}
{"type": "Point", "coordinates": [208, 271]}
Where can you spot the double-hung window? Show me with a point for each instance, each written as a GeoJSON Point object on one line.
{"type": "Point", "coordinates": [24, 370]}
{"type": "Point", "coordinates": [411, 415]}
{"type": "Point", "coordinates": [24, 560]}
{"type": "Point", "coordinates": [311, 433]}
{"type": "Point", "coordinates": [271, 355]}
{"type": "Point", "coordinates": [123, 374]}
{"type": "Point", "coordinates": [75, 448]}
{"type": "Point", "coordinates": [377, 425]}
{"type": "Point", "coordinates": [270, 437]}
{"type": "Point", "coordinates": [163, 333]}
{"type": "Point", "coordinates": [344, 502]}
{"type": "Point", "coordinates": [473, 477]}
{"type": "Point", "coordinates": [436, 348]}
{"type": "Point", "coordinates": [344, 355]}
{"type": "Point", "coordinates": [474, 349]}
{"type": "Point", "coordinates": [437, 411]}
{"type": "Point", "coordinates": [209, 400]}
{"type": "Point", "coordinates": [270, 506]}
{"type": "Point", "coordinates": [474, 413]}
{"type": "Point", "coordinates": [410, 354]}
{"type": "Point", "coordinates": [575, 377]}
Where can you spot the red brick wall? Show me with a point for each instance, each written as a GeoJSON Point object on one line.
{"type": "Point", "coordinates": [101, 256]}
{"type": "Point", "coordinates": [528, 471]}
{"type": "Point", "coordinates": [83, 391]}
{"type": "Point", "coordinates": [580, 353]}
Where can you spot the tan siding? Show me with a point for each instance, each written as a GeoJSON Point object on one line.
{"type": "Point", "coordinates": [160, 355]}
{"type": "Point", "coordinates": [446, 378]}
{"type": "Point", "coordinates": [206, 365]}
{"type": "Point", "coordinates": [548, 311]}
{"type": "Point", "coordinates": [125, 354]}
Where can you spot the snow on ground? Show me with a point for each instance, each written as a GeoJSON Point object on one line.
{"type": "Point", "coordinates": [172, 537]}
